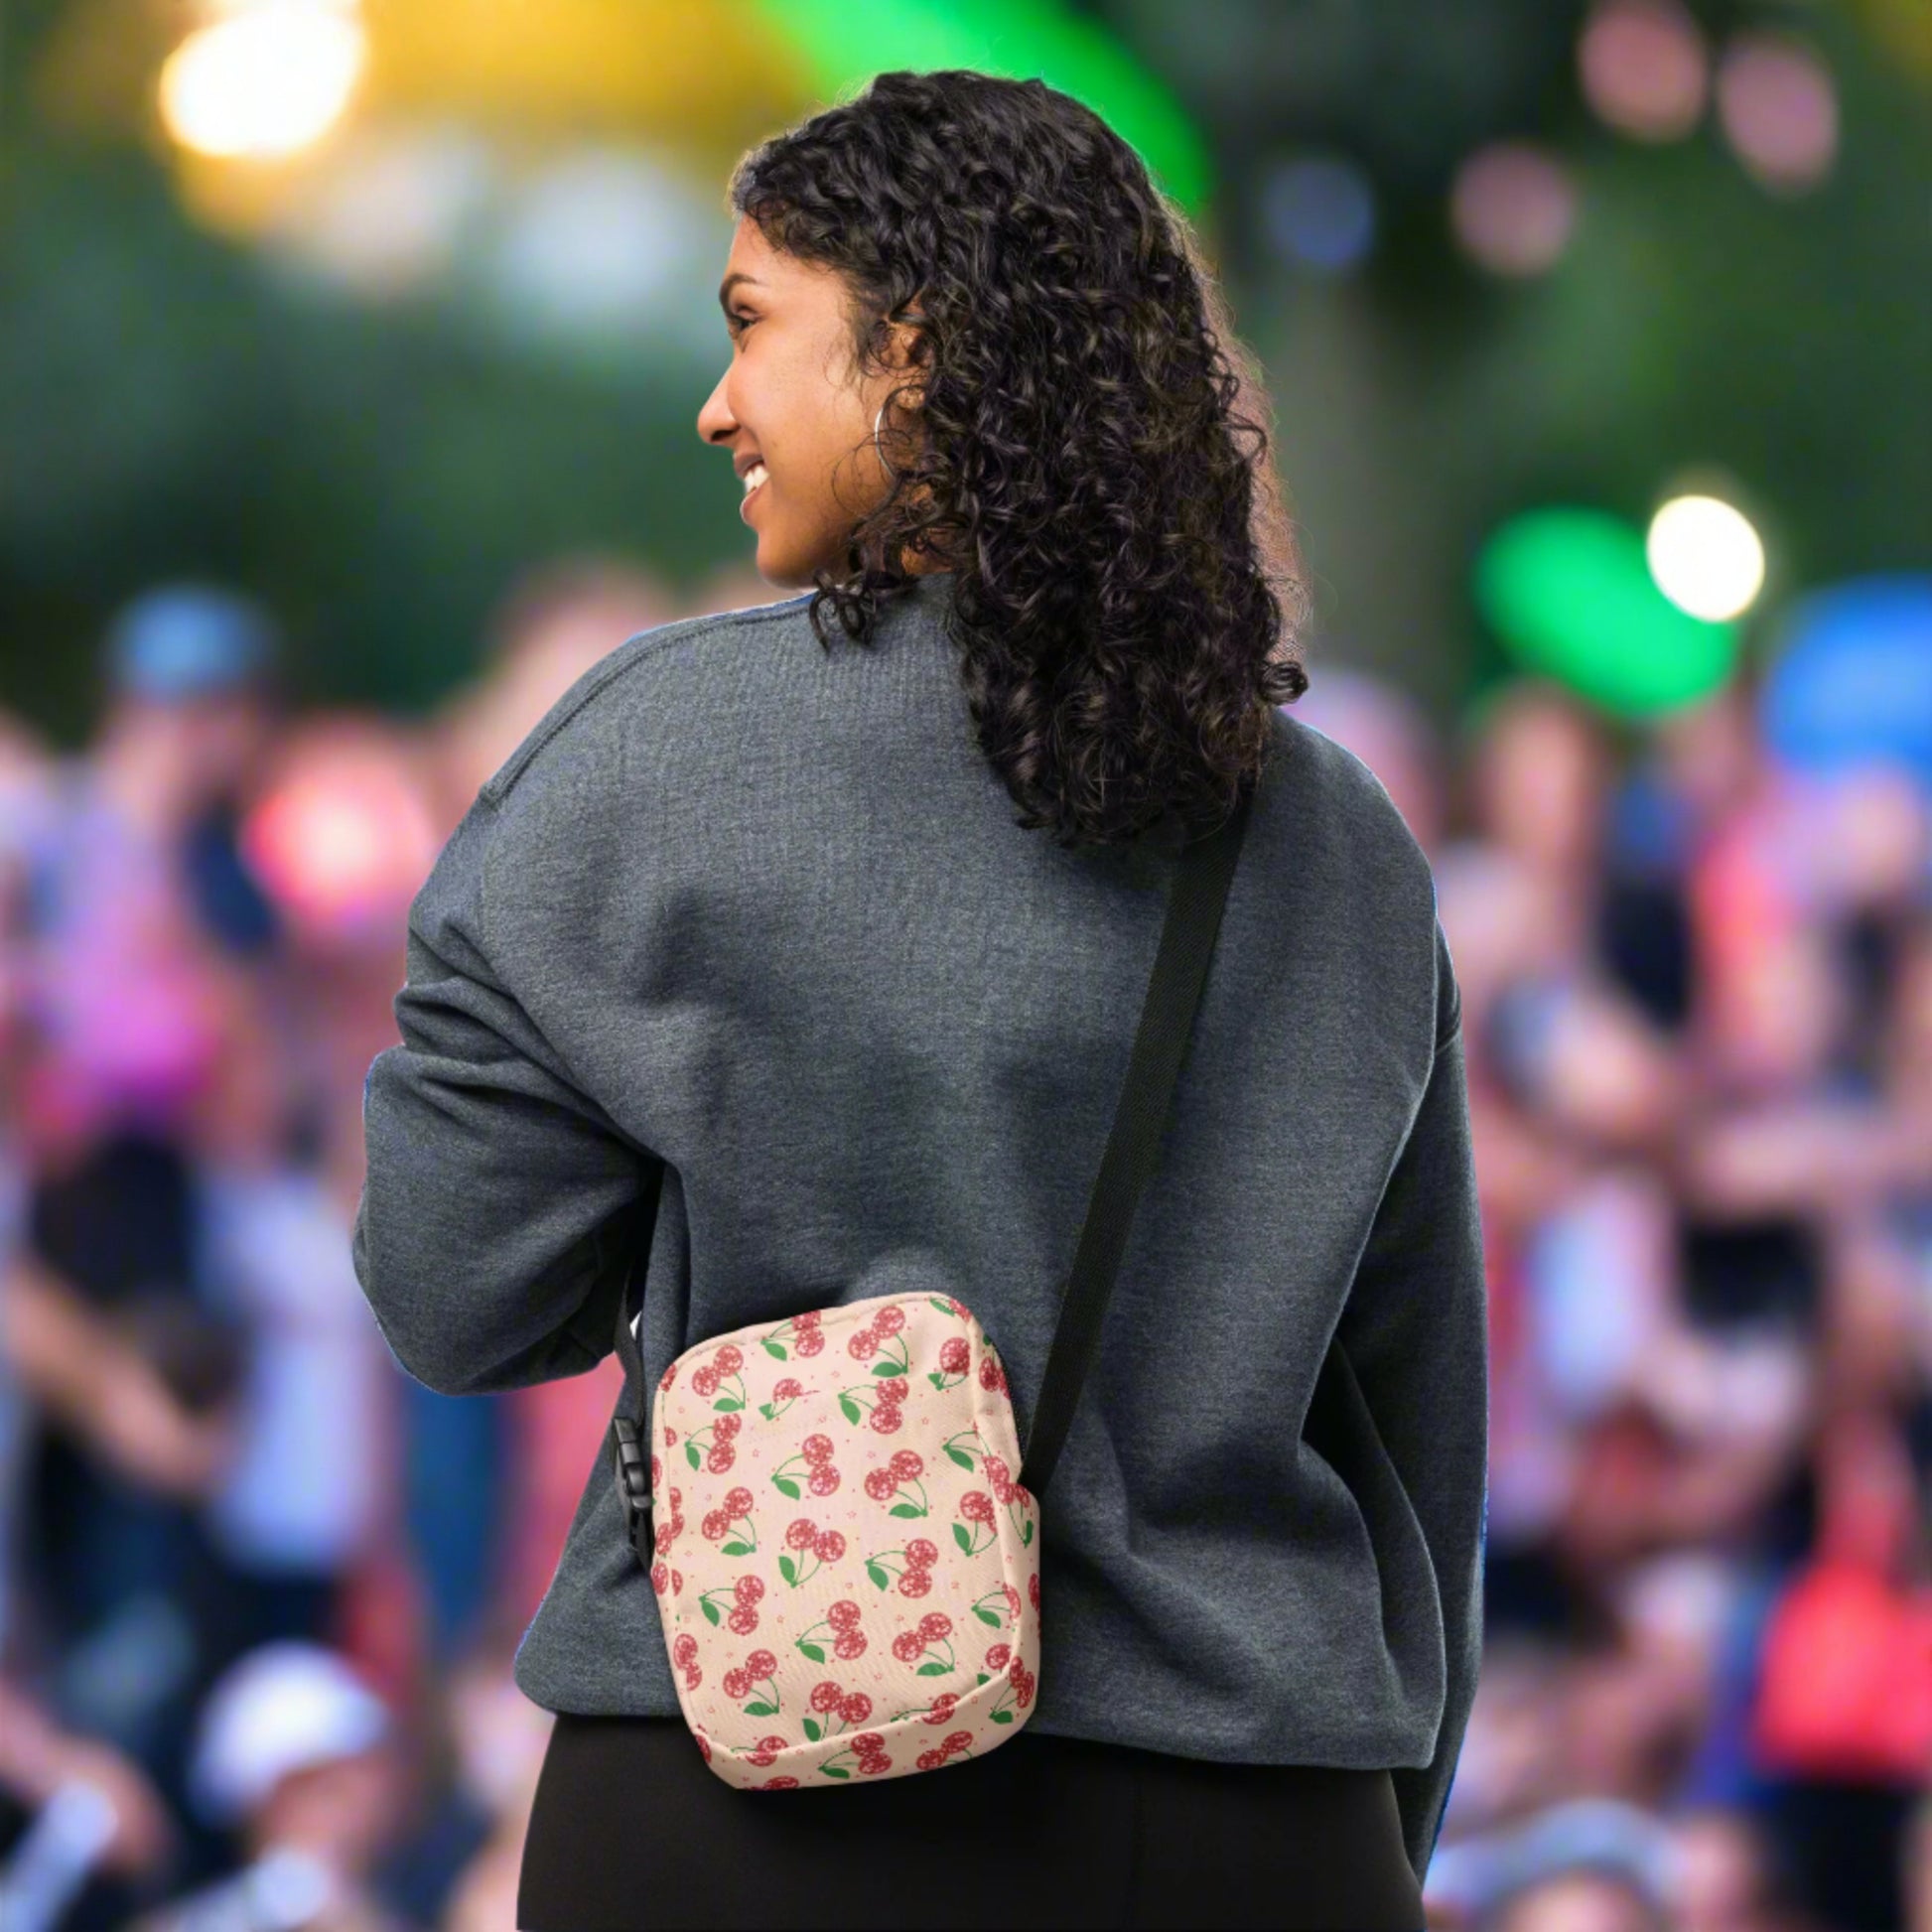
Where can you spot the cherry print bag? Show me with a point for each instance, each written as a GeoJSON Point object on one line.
{"type": "Point", "coordinates": [845, 1559]}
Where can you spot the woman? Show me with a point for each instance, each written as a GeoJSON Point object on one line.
{"type": "Point", "coordinates": [747, 929]}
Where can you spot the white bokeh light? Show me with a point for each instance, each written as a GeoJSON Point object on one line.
{"type": "Point", "coordinates": [1705, 557]}
{"type": "Point", "coordinates": [264, 79]}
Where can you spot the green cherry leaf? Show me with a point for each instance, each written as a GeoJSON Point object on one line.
{"type": "Point", "coordinates": [906, 1509]}
{"type": "Point", "coordinates": [960, 1537]}
{"type": "Point", "coordinates": [937, 1380]}
{"type": "Point", "coordinates": [817, 1656]}
{"type": "Point", "coordinates": [1002, 1716]}
{"type": "Point", "coordinates": [935, 1669]}
{"type": "Point", "coordinates": [944, 1308]}
{"type": "Point", "coordinates": [850, 1410]}
{"type": "Point", "coordinates": [777, 1348]}
{"type": "Point", "coordinates": [786, 1487]}
{"type": "Point", "coordinates": [983, 1679]}
{"type": "Point", "coordinates": [760, 1710]}
{"type": "Point", "coordinates": [889, 1369]}
{"type": "Point", "coordinates": [738, 1549]}
{"type": "Point", "coordinates": [788, 1570]}
{"type": "Point", "coordinates": [692, 1456]}
{"type": "Point", "coordinates": [834, 1771]}
{"type": "Point", "coordinates": [710, 1609]}
{"type": "Point", "coordinates": [765, 1409]}
{"type": "Point", "coordinates": [880, 1574]}
{"type": "Point", "coordinates": [1026, 1536]}
{"type": "Point", "coordinates": [812, 1732]}
{"type": "Point", "coordinates": [727, 1403]}
{"type": "Point", "coordinates": [986, 1616]}
{"type": "Point", "coordinates": [960, 1457]}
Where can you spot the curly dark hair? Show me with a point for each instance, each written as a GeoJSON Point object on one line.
{"type": "Point", "coordinates": [1126, 592]}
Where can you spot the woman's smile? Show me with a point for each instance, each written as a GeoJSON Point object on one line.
{"type": "Point", "coordinates": [756, 479]}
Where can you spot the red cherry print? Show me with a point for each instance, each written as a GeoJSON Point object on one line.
{"type": "Point", "coordinates": [1013, 1600]}
{"type": "Point", "coordinates": [999, 1657]}
{"type": "Point", "coordinates": [862, 1343]}
{"type": "Point", "coordinates": [844, 1614]}
{"type": "Point", "coordinates": [954, 1356]}
{"type": "Point", "coordinates": [932, 1760]}
{"type": "Point", "coordinates": [771, 1744]}
{"type": "Point", "coordinates": [669, 1376]}
{"type": "Point", "coordinates": [829, 1546]}
{"type": "Point", "coordinates": [957, 1740]}
{"type": "Point", "coordinates": [780, 1783]}
{"type": "Point", "coordinates": [715, 1525]}
{"type": "Point", "coordinates": [704, 1747]}
{"type": "Point", "coordinates": [656, 1470]}
{"type": "Point", "coordinates": [1000, 1477]}
{"type": "Point", "coordinates": [889, 1321]}
{"type": "Point", "coordinates": [823, 1481]}
{"type": "Point", "coordinates": [729, 1358]}
{"type": "Point", "coordinates": [921, 1553]}
{"type": "Point", "coordinates": [738, 1503]}
{"type": "Point", "coordinates": [661, 1576]}
{"type": "Point", "coordinates": [670, 1437]}
{"type": "Point", "coordinates": [748, 1589]}
{"type": "Point", "coordinates": [825, 1696]}
{"type": "Point", "coordinates": [800, 1533]}
{"type": "Point", "coordinates": [893, 1390]}
{"type": "Point", "coordinates": [816, 1450]}
{"type": "Point", "coordinates": [848, 1645]}
{"type": "Point", "coordinates": [885, 1417]}
{"type": "Point", "coordinates": [906, 1465]}
{"type": "Point", "coordinates": [761, 1663]}
{"type": "Point", "coordinates": [725, 1427]}
{"type": "Point", "coordinates": [1022, 1685]}
{"type": "Point", "coordinates": [705, 1381]}
{"type": "Point", "coordinates": [738, 1685]}
{"type": "Point", "coordinates": [907, 1647]}
{"type": "Point", "coordinates": [872, 1763]}
{"type": "Point", "coordinates": [992, 1376]}
{"type": "Point", "coordinates": [915, 1582]}
{"type": "Point", "coordinates": [720, 1458]}
{"type": "Point", "coordinates": [684, 1652]}
{"type": "Point", "coordinates": [942, 1707]}
{"type": "Point", "coordinates": [1032, 1590]}
{"type": "Point", "coordinates": [787, 1390]}
{"type": "Point", "coordinates": [881, 1485]}
{"type": "Point", "coordinates": [809, 1320]}
{"type": "Point", "coordinates": [855, 1707]}
{"type": "Point", "coordinates": [809, 1343]}
{"type": "Point", "coordinates": [935, 1625]}
{"type": "Point", "coordinates": [742, 1621]}
{"type": "Point", "coordinates": [677, 1582]}
{"type": "Point", "coordinates": [868, 1743]}
{"type": "Point", "coordinates": [976, 1506]}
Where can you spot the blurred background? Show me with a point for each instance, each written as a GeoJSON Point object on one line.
{"type": "Point", "coordinates": [349, 362]}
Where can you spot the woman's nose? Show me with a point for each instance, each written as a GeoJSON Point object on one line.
{"type": "Point", "coordinates": [714, 419]}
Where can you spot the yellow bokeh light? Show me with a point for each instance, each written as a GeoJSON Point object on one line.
{"type": "Point", "coordinates": [1705, 557]}
{"type": "Point", "coordinates": [265, 80]}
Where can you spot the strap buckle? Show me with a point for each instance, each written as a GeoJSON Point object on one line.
{"type": "Point", "coordinates": [632, 1469]}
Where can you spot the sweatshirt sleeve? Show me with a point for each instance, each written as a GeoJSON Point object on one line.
{"type": "Point", "coordinates": [1415, 1333]}
{"type": "Point", "coordinates": [498, 1216]}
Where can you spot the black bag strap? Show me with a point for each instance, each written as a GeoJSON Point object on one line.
{"type": "Point", "coordinates": [1196, 897]}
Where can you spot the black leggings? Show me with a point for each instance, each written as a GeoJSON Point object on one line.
{"type": "Point", "coordinates": [630, 1830]}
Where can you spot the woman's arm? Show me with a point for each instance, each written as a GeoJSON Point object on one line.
{"type": "Point", "coordinates": [1416, 1334]}
{"type": "Point", "coordinates": [503, 1208]}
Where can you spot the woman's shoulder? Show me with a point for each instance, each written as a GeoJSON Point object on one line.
{"type": "Point", "coordinates": [623, 673]}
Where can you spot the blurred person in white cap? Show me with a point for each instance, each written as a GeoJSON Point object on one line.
{"type": "Point", "coordinates": [295, 1754]}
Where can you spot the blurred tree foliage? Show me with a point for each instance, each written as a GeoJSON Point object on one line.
{"type": "Point", "coordinates": [380, 474]}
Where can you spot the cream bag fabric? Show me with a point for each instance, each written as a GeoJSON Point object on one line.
{"type": "Point", "coordinates": [846, 1562]}
{"type": "Point", "coordinates": [848, 1572]}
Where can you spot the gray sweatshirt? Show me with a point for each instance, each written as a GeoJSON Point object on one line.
{"type": "Point", "coordinates": [761, 913]}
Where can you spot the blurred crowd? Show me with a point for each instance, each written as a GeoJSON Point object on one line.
{"type": "Point", "coordinates": [260, 1590]}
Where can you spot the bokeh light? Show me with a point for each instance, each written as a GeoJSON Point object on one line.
{"type": "Point", "coordinates": [1513, 207]}
{"type": "Point", "coordinates": [1705, 557]}
{"type": "Point", "coordinates": [265, 80]}
{"type": "Point", "coordinates": [1643, 68]}
{"type": "Point", "coordinates": [1778, 108]}
{"type": "Point", "coordinates": [1319, 212]}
